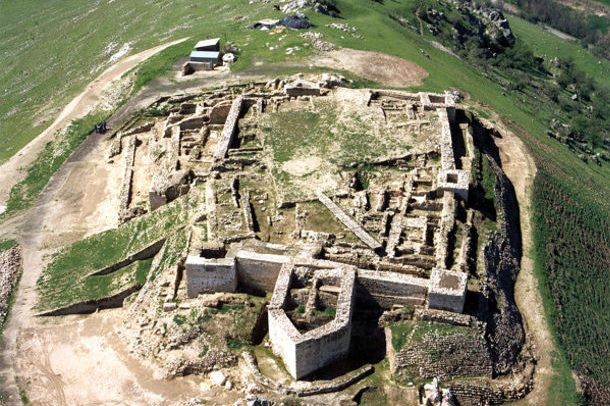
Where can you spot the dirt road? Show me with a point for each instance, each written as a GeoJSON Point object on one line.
{"type": "Point", "coordinates": [74, 360]}
{"type": "Point", "coordinates": [14, 170]}
{"type": "Point", "coordinates": [520, 168]}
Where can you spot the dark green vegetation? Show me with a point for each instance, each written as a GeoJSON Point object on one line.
{"type": "Point", "coordinates": [7, 244]}
{"type": "Point", "coordinates": [55, 153]}
{"type": "Point", "coordinates": [580, 105]}
{"type": "Point", "coordinates": [65, 280]}
{"type": "Point", "coordinates": [572, 238]}
{"type": "Point", "coordinates": [591, 29]}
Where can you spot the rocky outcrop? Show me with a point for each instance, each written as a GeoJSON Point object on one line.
{"type": "Point", "coordinates": [10, 267]}
{"type": "Point", "coordinates": [502, 254]}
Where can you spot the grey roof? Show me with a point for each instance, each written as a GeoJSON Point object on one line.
{"type": "Point", "coordinates": [208, 43]}
{"type": "Point", "coordinates": [205, 54]}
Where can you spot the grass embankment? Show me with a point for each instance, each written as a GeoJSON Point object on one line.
{"type": "Point", "coordinates": [404, 332]}
{"type": "Point", "coordinates": [64, 281]}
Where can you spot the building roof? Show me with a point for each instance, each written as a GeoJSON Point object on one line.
{"type": "Point", "coordinates": [205, 54]}
{"type": "Point", "coordinates": [208, 43]}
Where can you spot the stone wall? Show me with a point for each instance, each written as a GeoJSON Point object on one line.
{"type": "Point", "coordinates": [259, 272]}
{"type": "Point", "coordinates": [447, 290]}
{"type": "Point", "coordinates": [10, 266]}
{"type": "Point", "coordinates": [230, 128]}
{"type": "Point", "coordinates": [205, 275]}
{"type": "Point", "coordinates": [389, 288]}
{"type": "Point", "coordinates": [502, 254]}
{"type": "Point", "coordinates": [350, 223]}
{"type": "Point", "coordinates": [449, 178]}
{"type": "Point", "coordinates": [305, 353]}
{"type": "Point", "coordinates": [125, 194]}
{"type": "Point", "coordinates": [446, 356]}
{"type": "Point", "coordinates": [446, 225]}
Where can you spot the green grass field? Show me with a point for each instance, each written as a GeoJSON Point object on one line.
{"type": "Point", "coordinates": [571, 198]}
{"type": "Point", "coordinates": [64, 281]}
{"type": "Point", "coordinates": [546, 44]}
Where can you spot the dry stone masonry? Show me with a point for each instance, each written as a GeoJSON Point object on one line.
{"type": "Point", "coordinates": [393, 233]}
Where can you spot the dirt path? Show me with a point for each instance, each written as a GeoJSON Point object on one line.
{"type": "Point", "coordinates": [74, 360]}
{"type": "Point", "coordinates": [520, 168]}
{"type": "Point", "coordinates": [14, 170]}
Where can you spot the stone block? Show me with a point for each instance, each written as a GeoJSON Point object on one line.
{"type": "Point", "coordinates": [455, 181]}
{"type": "Point", "coordinates": [205, 275]}
{"type": "Point", "coordinates": [447, 290]}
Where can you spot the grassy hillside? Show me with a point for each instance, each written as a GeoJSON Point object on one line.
{"type": "Point", "coordinates": [51, 49]}
{"type": "Point", "coordinates": [571, 198]}
{"type": "Point", "coordinates": [549, 45]}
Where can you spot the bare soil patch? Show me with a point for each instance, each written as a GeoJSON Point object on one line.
{"type": "Point", "coordinates": [385, 69]}
{"type": "Point", "coordinates": [74, 360]}
{"type": "Point", "coordinates": [303, 166]}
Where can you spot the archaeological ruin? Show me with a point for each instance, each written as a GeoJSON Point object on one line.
{"type": "Point", "coordinates": [334, 204]}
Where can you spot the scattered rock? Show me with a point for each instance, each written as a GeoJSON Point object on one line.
{"type": "Point", "coordinates": [218, 378]}
{"type": "Point", "coordinates": [297, 21]}
{"type": "Point", "coordinates": [315, 38]}
{"type": "Point", "coordinates": [229, 58]}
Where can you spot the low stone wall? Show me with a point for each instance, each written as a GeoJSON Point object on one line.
{"type": "Point", "coordinates": [310, 389]}
{"type": "Point", "coordinates": [441, 316]}
{"type": "Point", "coordinates": [10, 267]}
{"type": "Point", "coordinates": [446, 225]}
{"type": "Point", "coordinates": [396, 227]}
{"type": "Point", "coordinates": [125, 194]}
{"type": "Point", "coordinates": [350, 223]}
{"type": "Point", "coordinates": [205, 275]}
{"type": "Point", "coordinates": [472, 395]}
{"type": "Point", "coordinates": [388, 288]}
{"type": "Point", "coordinates": [230, 128]}
{"type": "Point", "coordinates": [447, 156]}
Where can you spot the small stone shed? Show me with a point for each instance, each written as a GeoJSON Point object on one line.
{"type": "Point", "coordinates": [211, 57]}
{"type": "Point", "coordinates": [208, 45]}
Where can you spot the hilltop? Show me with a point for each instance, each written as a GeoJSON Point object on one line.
{"type": "Point", "coordinates": [542, 98]}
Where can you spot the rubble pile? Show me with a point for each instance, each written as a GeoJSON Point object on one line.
{"type": "Point", "coordinates": [10, 267]}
